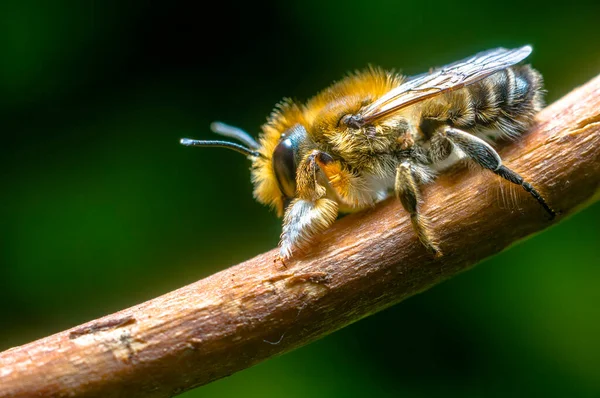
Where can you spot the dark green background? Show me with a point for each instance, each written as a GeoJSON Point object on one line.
{"type": "Point", "coordinates": [102, 209]}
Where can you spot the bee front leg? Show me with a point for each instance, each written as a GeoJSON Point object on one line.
{"type": "Point", "coordinates": [484, 155]}
{"type": "Point", "coordinates": [407, 191]}
{"type": "Point", "coordinates": [310, 213]}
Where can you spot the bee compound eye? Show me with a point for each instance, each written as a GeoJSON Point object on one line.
{"type": "Point", "coordinates": [284, 166]}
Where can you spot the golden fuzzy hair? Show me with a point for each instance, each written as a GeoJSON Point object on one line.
{"type": "Point", "coordinates": [320, 116]}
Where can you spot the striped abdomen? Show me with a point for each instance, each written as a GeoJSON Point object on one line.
{"type": "Point", "coordinates": [503, 104]}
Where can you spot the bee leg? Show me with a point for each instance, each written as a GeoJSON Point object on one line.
{"type": "Point", "coordinates": [484, 155]}
{"type": "Point", "coordinates": [347, 185]}
{"type": "Point", "coordinates": [310, 213]}
{"type": "Point", "coordinates": [407, 191]}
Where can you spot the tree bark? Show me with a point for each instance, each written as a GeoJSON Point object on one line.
{"type": "Point", "coordinates": [366, 262]}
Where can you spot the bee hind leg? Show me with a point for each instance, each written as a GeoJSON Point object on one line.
{"type": "Point", "coordinates": [483, 154]}
{"type": "Point", "coordinates": [407, 191]}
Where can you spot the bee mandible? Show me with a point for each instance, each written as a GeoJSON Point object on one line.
{"type": "Point", "coordinates": [376, 132]}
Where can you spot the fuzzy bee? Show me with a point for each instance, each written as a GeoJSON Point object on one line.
{"type": "Point", "coordinates": [377, 132]}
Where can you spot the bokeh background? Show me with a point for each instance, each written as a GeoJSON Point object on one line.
{"type": "Point", "coordinates": [101, 208]}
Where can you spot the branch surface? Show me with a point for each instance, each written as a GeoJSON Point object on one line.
{"type": "Point", "coordinates": [368, 261]}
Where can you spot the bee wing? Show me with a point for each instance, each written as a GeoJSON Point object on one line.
{"type": "Point", "coordinates": [450, 77]}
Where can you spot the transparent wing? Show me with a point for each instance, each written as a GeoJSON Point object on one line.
{"type": "Point", "coordinates": [447, 78]}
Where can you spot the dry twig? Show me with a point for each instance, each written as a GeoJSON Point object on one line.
{"type": "Point", "coordinates": [368, 261]}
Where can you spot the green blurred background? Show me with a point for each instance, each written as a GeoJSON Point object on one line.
{"type": "Point", "coordinates": [101, 208]}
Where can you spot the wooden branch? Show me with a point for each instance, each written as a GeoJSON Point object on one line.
{"type": "Point", "coordinates": [366, 262]}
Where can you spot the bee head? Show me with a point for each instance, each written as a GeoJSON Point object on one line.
{"type": "Point", "coordinates": [282, 143]}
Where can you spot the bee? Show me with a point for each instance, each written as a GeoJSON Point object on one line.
{"type": "Point", "coordinates": [376, 132]}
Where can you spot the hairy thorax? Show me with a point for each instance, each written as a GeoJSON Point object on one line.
{"type": "Point", "coordinates": [370, 153]}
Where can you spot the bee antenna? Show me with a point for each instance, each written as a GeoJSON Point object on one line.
{"type": "Point", "coordinates": [234, 132]}
{"type": "Point", "coordinates": [223, 144]}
